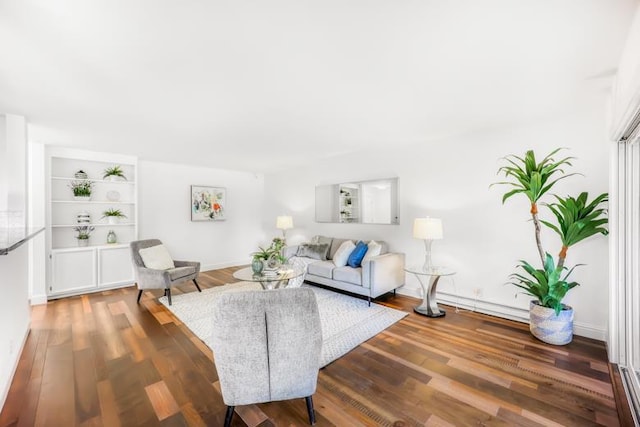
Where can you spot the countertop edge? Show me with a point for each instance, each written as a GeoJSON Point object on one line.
{"type": "Point", "coordinates": [16, 245]}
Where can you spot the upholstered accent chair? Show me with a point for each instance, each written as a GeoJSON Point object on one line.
{"type": "Point", "coordinates": [161, 278]}
{"type": "Point", "coordinates": [266, 345]}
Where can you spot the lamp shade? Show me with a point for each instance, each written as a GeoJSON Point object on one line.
{"type": "Point", "coordinates": [284, 222]}
{"type": "Point", "coordinates": [427, 228]}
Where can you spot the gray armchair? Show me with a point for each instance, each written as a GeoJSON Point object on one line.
{"type": "Point", "coordinates": [266, 346]}
{"type": "Point", "coordinates": [149, 278]}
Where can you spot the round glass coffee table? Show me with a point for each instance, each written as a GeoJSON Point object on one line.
{"type": "Point", "coordinates": [276, 280]}
{"type": "Point", "coordinates": [429, 306]}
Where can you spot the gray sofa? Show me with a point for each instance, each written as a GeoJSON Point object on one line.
{"type": "Point", "coordinates": [377, 276]}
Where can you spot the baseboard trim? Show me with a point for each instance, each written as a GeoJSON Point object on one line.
{"type": "Point", "coordinates": [504, 311]}
{"type": "Point", "coordinates": [38, 299]}
{"type": "Point", "coordinates": [226, 264]}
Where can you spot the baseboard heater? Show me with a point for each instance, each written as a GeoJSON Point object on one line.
{"type": "Point", "coordinates": [629, 383]}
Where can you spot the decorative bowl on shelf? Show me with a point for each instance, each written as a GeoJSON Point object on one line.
{"type": "Point", "coordinates": [113, 196]}
{"type": "Point", "coordinates": [81, 198]}
{"type": "Point", "coordinates": [81, 175]}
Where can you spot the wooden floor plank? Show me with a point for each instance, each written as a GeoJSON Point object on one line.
{"type": "Point", "coordinates": [103, 360]}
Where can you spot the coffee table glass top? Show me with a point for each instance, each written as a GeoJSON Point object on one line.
{"type": "Point", "coordinates": [283, 273]}
{"type": "Point", "coordinates": [434, 271]}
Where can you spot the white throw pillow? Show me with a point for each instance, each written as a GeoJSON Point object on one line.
{"type": "Point", "coordinates": [156, 257]}
{"type": "Point", "coordinates": [342, 254]}
{"type": "Point", "coordinates": [375, 249]}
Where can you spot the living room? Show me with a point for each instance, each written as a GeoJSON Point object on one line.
{"type": "Point", "coordinates": [302, 96]}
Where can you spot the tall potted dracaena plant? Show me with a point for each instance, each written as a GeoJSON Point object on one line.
{"type": "Point", "coordinates": [576, 219]}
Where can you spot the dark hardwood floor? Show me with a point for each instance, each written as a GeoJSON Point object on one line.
{"type": "Point", "coordinates": [103, 360]}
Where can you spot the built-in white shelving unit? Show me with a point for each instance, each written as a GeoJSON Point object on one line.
{"type": "Point", "coordinates": [75, 269]}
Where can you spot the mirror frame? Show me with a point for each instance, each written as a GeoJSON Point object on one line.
{"type": "Point", "coordinates": [341, 203]}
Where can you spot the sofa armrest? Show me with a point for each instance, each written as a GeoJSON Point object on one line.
{"type": "Point", "coordinates": [383, 273]}
{"type": "Point", "coordinates": [195, 264]}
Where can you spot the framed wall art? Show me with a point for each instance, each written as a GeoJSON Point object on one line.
{"type": "Point", "coordinates": [208, 203]}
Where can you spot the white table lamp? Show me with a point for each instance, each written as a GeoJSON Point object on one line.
{"type": "Point", "coordinates": [428, 229]}
{"type": "Point", "coordinates": [284, 223]}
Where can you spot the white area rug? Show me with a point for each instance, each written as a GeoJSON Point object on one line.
{"type": "Point", "coordinates": [346, 321]}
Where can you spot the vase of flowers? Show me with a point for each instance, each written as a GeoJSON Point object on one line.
{"type": "Point", "coordinates": [84, 233]}
{"type": "Point", "coordinates": [81, 190]}
{"type": "Point", "coordinates": [114, 173]}
{"type": "Point", "coordinates": [113, 216]}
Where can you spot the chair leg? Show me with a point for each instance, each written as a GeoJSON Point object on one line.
{"type": "Point", "coordinates": [228, 416]}
{"type": "Point", "coordinates": [312, 415]}
{"type": "Point", "coordinates": [139, 295]}
{"type": "Point", "coordinates": [197, 286]}
{"type": "Point", "coordinates": [168, 290]}
{"type": "Point", "coordinates": [369, 299]}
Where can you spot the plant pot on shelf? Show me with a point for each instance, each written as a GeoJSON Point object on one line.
{"type": "Point", "coordinates": [113, 220]}
{"type": "Point", "coordinates": [82, 198]}
{"type": "Point", "coordinates": [549, 327]}
{"type": "Point", "coordinates": [83, 242]}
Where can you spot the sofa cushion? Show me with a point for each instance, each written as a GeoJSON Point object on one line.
{"type": "Point", "coordinates": [321, 240]}
{"type": "Point", "coordinates": [313, 250]}
{"type": "Point", "coordinates": [178, 272]}
{"type": "Point", "coordinates": [321, 268]}
{"type": "Point", "coordinates": [374, 249]}
{"type": "Point", "coordinates": [355, 259]}
{"type": "Point", "coordinates": [341, 256]}
{"type": "Point", "coordinates": [156, 257]}
{"type": "Point", "coordinates": [348, 274]}
{"type": "Point", "coordinates": [335, 245]}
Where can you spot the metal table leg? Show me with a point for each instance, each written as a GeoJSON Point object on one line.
{"type": "Point", "coordinates": [429, 306]}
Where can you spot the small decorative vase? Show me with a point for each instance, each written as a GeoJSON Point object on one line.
{"type": "Point", "coordinates": [111, 237]}
{"type": "Point", "coordinates": [80, 175]}
{"type": "Point", "coordinates": [83, 242]}
{"type": "Point", "coordinates": [549, 328]}
{"type": "Point", "coordinates": [113, 196]}
{"type": "Point", "coordinates": [257, 265]}
{"type": "Point", "coordinates": [113, 220]}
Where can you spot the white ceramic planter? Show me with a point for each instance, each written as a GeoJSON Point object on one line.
{"type": "Point", "coordinates": [81, 198]}
{"type": "Point", "coordinates": [549, 328]}
{"type": "Point", "coordinates": [113, 220]}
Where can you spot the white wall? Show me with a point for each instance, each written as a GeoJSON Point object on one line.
{"type": "Point", "coordinates": [164, 213]}
{"type": "Point", "coordinates": [15, 313]}
{"type": "Point", "coordinates": [483, 240]}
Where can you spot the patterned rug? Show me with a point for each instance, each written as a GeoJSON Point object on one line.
{"type": "Point", "coordinates": [346, 321]}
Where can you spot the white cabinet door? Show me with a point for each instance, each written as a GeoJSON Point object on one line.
{"type": "Point", "coordinates": [73, 270]}
{"type": "Point", "coordinates": [115, 266]}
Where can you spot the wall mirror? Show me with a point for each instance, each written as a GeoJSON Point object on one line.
{"type": "Point", "coordinates": [363, 202]}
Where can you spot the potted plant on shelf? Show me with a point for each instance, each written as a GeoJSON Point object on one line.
{"type": "Point", "coordinates": [113, 215]}
{"type": "Point", "coordinates": [81, 190]}
{"type": "Point", "coordinates": [84, 232]}
{"type": "Point", "coordinates": [114, 173]}
{"type": "Point", "coordinates": [576, 219]}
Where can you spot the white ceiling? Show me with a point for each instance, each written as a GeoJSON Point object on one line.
{"type": "Point", "coordinates": [259, 85]}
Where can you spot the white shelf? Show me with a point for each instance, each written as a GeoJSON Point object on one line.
{"type": "Point", "coordinates": [105, 181]}
{"type": "Point", "coordinates": [91, 247]}
{"type": "Point", "coordinates": [120, 224]}
{"type": "Point", "coordinates": [80, 202]}
{"type": "Point", "coordinates": [77, 269]}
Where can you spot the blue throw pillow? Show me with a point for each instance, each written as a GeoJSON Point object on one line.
{"type": "Point", "coordinates": [355, 259]}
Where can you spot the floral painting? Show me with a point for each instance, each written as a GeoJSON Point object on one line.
{"type": "Point", "coordinates": [208, 203]}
